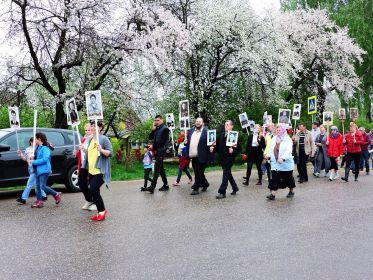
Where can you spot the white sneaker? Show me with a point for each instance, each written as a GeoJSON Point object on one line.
{"type": "Point", "coordinates": [336, 176]}
{"type": "Point", "coordinates": [92, 207]}
{"type": "Point", "coordinates": [331, 177]}
{"type": "Point", "coordinates": [87, 205]}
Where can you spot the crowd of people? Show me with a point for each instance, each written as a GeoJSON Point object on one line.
{"type": "Point", "coordinates": [275, 150]}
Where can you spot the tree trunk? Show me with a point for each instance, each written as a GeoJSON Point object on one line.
{"type": "Point", "coordinates": [60, 121]}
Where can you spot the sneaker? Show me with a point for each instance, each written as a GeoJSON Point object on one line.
{"type": "Point", "coordinates": [99, 217]}
{"type": "Point", "coordinates": [86, 205]}
{"type": "Point", "coordinates": [44, 198]}
{"type": "Point", "coordinates": [316, 174]}
{"type": "Point", "coordinates": [331, 177]}
{"type": "Point", "coordinates": [176, 184]}
{"type": "Point", "coordinates": [336, 176]}
{"type": "Point", "coordinates": [57, 197]}
{"type": "Point", "coordinates": [38, 204]}
{"type": "Point", "coordinates": [21, 200]}
{"type": "Point", "coordinates": [92, 207]}
{"type": "Point", "coordinates": [164, 188]}
{"type": "Point", "coordinates": [344, 179]}
{"type": "Point", "coordinates": [271, 197]}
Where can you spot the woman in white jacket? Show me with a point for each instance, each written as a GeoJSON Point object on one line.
{"type": "Point", "coordinates": [282, 163]}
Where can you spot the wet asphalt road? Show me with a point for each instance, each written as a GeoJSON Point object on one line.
{"type": "Point", "coordinates": [324, 232]}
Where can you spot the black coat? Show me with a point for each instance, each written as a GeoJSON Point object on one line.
{"type": "Point", "coordinates": [255, 154]}
{"type": "Point", "coordinates": [160, 139]}
{"type": "Point", "coordinates": [203, 149]}
{"type": "Point", "coordinates": [225, 157]}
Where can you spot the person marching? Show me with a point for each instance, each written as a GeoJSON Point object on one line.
{"type": "Point", "coordinates": [83, 172]}
{"type": "Point", "coordinates": [42, 169]}
{"type": "Point", "coordinates": [159, 135]}
{"type": "Point", "coordinates": [305, 147]}
{"type": "Point", "coordinates": [364, 161]}
{"type": "Point", "coordinates": [254, 154]}
{"type": "Point", "coordinates": [183, 161]}
{"type": "Point", "coordinates": [97, 162]}
{"type": "Point", "coordinates": [148, 166]}
{"type": "Point", "coordinates": [31, 180]}
{"type": "Point", "coordinates": [353, 141]}
{"type": "Point", "coordinates": [198, 151]}
{"type": "Point", "coordinates": [227, 156]}
{"type": "Point", "coordinates": [321, 156]}
{"type": "Point", "coordinates": [335, 150]}
{"type": "Point", "coordinates": [268, 139]}
{"type": "Point", "coordinates": [282, 163]}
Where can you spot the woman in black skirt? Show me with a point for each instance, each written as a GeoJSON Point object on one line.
{"type": "Point", "coordinates": [282, 163]}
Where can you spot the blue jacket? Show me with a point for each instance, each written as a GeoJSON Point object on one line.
{"type": "Point", "coordinates": [203, 149]}
{"type": "Point", "coordinates": [42, 163]}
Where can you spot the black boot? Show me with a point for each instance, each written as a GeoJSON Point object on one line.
{"type": "Point", "coordinates": [347, 171]}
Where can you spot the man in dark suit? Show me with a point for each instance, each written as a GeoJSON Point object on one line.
{"type": "Point", "coordinates": [198, 151]}
{"type": "Point", "coordinates": [227, 156]}
{"type": "Point", "coordinates": [159, 135]}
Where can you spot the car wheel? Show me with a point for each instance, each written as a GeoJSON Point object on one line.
{"type": "Point", "coordinates": [72, 179]}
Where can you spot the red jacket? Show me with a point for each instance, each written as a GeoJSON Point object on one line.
{"type": "Point", "coordinates": [350, 145]}
{"type": "Point", "coordinates": [366, 142]}
{"type": "Point", "coordinates": [335, 147]}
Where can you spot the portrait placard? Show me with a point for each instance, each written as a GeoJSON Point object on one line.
{"type": "Point", "coordinates": [184, 109]}
{"type": "Point", "coordinates": [296, 111]}
{"type": "Point", "coordinates": [354, 113]}
{"type": "Point", "coordinates": [284, 117]}
{"type": "Point", "coordinates": [14, 117]}
{"type": "Point", "coordinates": [184, 123]}
{"type": "Point", "coordinates": [170, 120]}
{"type": "Point", "coordinates": [211, 137]}
{"type": "Point", "coordinates": [243, 120]}
{"type": "Point", "coordinates": [72, 112]}
{"type": "Point", "coordinates": [269, 119]}
{"type": "Point", "coordinates": [251, 125]}
{"type": "Point", "coordinates": [94, 105]}
{"type": "Point", "coordinates": [327, 118]}
{"type": "Point", "coordinates": [312, 105]}
{"type": "Point", "coordinates": [232, 138]}
{"type": "Point", "coordinates": [342, 113]}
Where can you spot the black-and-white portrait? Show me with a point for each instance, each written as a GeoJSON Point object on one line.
{"type": "Point", "coordinates": [342, 113]}
{"type": "Point", "coordinates": [94, 105]}
{"type": "Point", "coordinates": [72, 112]}
{"type": "Point", "coordinates": [184, 108]}
{"type": "Point", "coordinates": [354, 113]}
{"type": "Point", "coordinates": [284, 116]}
{"type": "Point", "coordinates": [269, 119]}
{"type": "Point", "coordinates": [184, 123]}
{"type": "Point", "coordinates": [243, 120]}
{"type": "Point", "coordinates": [327, 118]}
{"type": "Point", "coordinates": [232, 138]}
{"type": "Point", "coordinates": [14, 117]}
{"type": "Point", "coordinates": [296, 111]}
{"type": "Point", "coordinates": [211, 137]}
{"type": "Point", "coordinates": [170, 120]}
{"type": "Point", "coordinates": [251, 125]}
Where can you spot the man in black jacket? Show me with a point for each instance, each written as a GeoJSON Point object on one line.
{"type": "Point", "coordinates": [198, 151]}
{"type": "Point", "coordinates": [159, 135]}
{"type": "Point", "coordinates": [227, 156]}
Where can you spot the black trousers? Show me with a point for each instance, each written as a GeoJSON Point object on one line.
{"type": "Point", "coordinates": [268, 168]}
{"type": "Point", "coordinates": [333, 163]}
{"type": "Point", "coordinates": [83, 184]}
{"type": "Point", "coordinates": [353, 157]}
{"type": "Point", "coordinates": [227, 177]}
{"type": "Point", "coordinates": [302, 165]}
{"type": "Point", "coordinates": [95, 183]}
{"type": "Point", "coordinates": [200, 180]}
{"type": "Point", "coordinates": [146, 176]}
{"type": "Point", "coordinates": [250, 166]}
{"type": "Point", "coordinates": [159, 170]}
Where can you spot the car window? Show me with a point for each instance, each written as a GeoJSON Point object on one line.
{"type": "Point", "coordinates": [24, 138]}
{"type": "Point", "coordinates": [70, 138]}
{"type": "Point", "coordinates": [55, 138]}
{"type": "Point", "coordinates": [11, 141]}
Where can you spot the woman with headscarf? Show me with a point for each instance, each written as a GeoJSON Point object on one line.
{"type": "Point", "coordinates": [282, 163]}
{"type": "Point", "coordinates": [254, 154]}
{"type": "Point", "coordinates": [321, 155]}
{"type": "Point", "coordinates": [335, 150]}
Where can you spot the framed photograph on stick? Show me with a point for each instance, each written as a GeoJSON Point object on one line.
{"type": "Point", "coordinates": [296, 111]}
{"type": "Point", "coordinates": [94, 105]}
{"type": "Point", "coordinates": [251, 125]}
{"type": "Point", "coordinates": [72, 112]}
{"type": "Point", "coordinates": [211, 137]}
{"type": "Point", "coordinates": [284, 117]}
{"type": "Point", "coordinates": [184, 108]}
{"type": "Point", "coordinates": [354, 114]}
{"type": "Point", "coordinates": [184, 123]}
{"type": "Point", "coordinates": [312, 105]}
{"type": "Point", "coordinates": [342, 114]}
{"type": "Point", "coordinates": [327, 118]}
{"type": "Point", "coordinates": [243, 120]}
{"type": "Point", "coordinates": [232, 138]}
{"type": "Point", "coordinates": [170, 120]}
{"type": "Point", "coordinates": [14, 121]}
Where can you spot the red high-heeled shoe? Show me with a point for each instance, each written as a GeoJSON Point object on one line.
{"type": "Point", "coordinates": [99, 217]}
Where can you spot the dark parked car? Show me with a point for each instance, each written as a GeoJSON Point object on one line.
{"type": "Point", "coordinates": [13, 170]}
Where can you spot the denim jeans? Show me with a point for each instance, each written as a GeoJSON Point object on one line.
{"type": "Point", "coordinates": [364, 160]}
{"type": "Point", "coordinates": [41, 184]}
{"type": "Point", "coordinates": [180, 172]}
{"type": "Point", "coordinates": [30, 184]}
